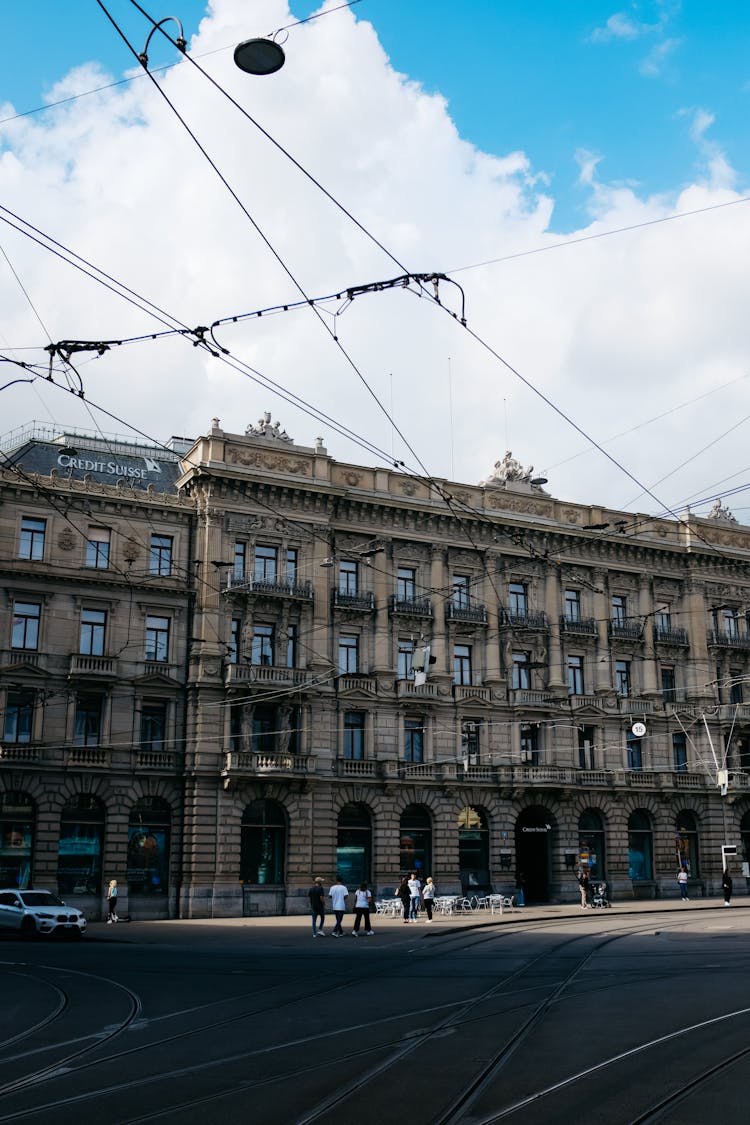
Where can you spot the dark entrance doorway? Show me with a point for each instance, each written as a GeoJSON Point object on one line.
{"type": "Point", "coordinates": [533, 847]}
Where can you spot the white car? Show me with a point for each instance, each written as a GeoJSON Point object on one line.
{"type": "Point", "coordinates": [39, 912]}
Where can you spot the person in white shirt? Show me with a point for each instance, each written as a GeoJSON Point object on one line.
{"type": "Point", "coordinates": [414, 889]}
{"type": "Point", "coordinates": [362, 903]}
{"type": "Point", "coordinates": [338, 894]}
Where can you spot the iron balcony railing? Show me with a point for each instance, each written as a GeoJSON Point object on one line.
{"type": "Point", "coordinates": [363, 602]}
{"type": "Point", "coordinates": [722, 639]}
{"type": "Point", "coordinates": [273, 589]}
{"type": "Point", "coordinates": [630, 630]}
{"type": "Point", "coordinates": [582, 626]}
{"type": "Point", "coordinates": [411, 607]}
{"type": "Point", "coordinates": [536, 621]}
{"type": "Point", "coordinates": [671, 636]}
{"type": "Point", "coordinates": [474, 614]}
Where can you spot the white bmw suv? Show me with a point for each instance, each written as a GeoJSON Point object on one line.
{"type": "Point", "coordinates": [39, 912]}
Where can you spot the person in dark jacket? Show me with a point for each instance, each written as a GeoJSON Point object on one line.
{"type": "Point", "coordinates": [404, 893]}
{"type": "Point", "coordinates": [726, 886]}
{"type": "Point", "coordinates": [317, 907]}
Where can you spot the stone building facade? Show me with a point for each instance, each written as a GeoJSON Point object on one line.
{"type": "Point", "coordinates": [346, 668]}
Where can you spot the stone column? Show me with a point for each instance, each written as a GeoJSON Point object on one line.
{"type": "Point", "coordinates": [646, 611]}
{"type": "Point", "coordinates": [439, 583]}
{"type": "Point", "coordinates": [603, 669]}
{"type": "Point", "coordinates": [552, 606]}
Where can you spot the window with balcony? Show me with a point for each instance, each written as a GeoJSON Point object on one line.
{"type": "Point", "coordinates": [405, 659]}
{"type": "Point", "coordinates": [634, 752]}
{"type": "Point", "coordinates": [521, 671]}
{"type": "Point", "coordinates": [406, 583]}
{"type": "Point", "coordinates": [153, 727]}
{"type": "Point", "coordinates": [348, 577]}
{"type": "Point", "coordinates": [572, 605]}
{"type": "Point", "coordinates": [292, 645]}
{"type": "Point", "coordinates": [619, 609]}
{"type": "Point", "coordinates": [292, 565]}
{"type": "Point", "coordinates": [461, 591]}
{"type": "Point", "coordinates": [19, 716]}
{"type": "Point", "coordinates": [157, 638]}
{"type": "Point", "coordinates": [518, 599]}
{"type": "Point", "coordinates": [668, 684]}
{"type": "Point", "coordinates": [575, 675]}
{"type": "Point", "coordinates": [735, 685]}
{"type": "Point", "coordinates": [622, 677]}
{"type": "Point", "coordinates": [235, 634]}
{"type": "Point", "coordinates": [728, 624]}
{"type": "Point", "coordinates": [462, 664]}
{"type": "Point", "coordinates": [87, 725]}
{"type": "Point", "coordinates": [348, 655]}
{"type": "Point", "coordinates": [264, 729]}
{"type": "Point", "coordinates": [31, 545]}
{"type": "Point", "coordinates": [97, 548]}
{"type": "Point", "coordinates": [261, 651]}
{"type": "Point", "coordinates": [26, 619]}
{"type": "Point", "coordinates": [239, 559]}
{"type": "Point", "coordinates": [354, 735]}
{"type": "Point", "coordinates": [414, 740]}
{"type": "Point", "coordinates": [679, 751]}
{"type": "Point", "coordinates": [470, 741]}
{"type": "Point", "coordinates": [93, 630]}
{"type": "Point", "coordinates": [265, 563]}
{"type": "Point", "coordinates": [530, 752]}
{"type": "Point", "coordinates": [664, 619]}
{"type": "Point", "coordinates": [160, 555]}
{"type": "Point", "coordinates": [586, 748]}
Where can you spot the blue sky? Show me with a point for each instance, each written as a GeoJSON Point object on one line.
{"type": "Point", "coordinates": [551, 78]}
{"type": "Point", "coordinates": [458, 134]}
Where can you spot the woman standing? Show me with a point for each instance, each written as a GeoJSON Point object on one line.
{"type": "Point", "coordinates": [112, 902]}
{"type": "Point", "coordinates": [428, 897]}
{"type": "Point", "coordinates": [362, 903]}
{"type": "Point", "coordinates": [404, 894]}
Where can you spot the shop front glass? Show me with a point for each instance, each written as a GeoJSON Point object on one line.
{"type": "Point", "coordinates": [591, 844]}
{"type": "Point", "coordinates": [79, 851]}
{"type": "Point", "coordinates": [148, 847]}
{"type": "Point", "coordinates": [686, 844]}
{"type": "Point", "coordinates": [640, 847]}
{"type": "Point", "coordinates": [354, 845]}
{"type": "Point", "coordinates": [263, 844]}
{"type": "Point", "coordinates": [416, 841]}
{"type": "Point", "coordinates": [17, 821]}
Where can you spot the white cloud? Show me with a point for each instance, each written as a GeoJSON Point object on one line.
{"type": "Point", "coordinates": [615, 330]}
{"type": "Point", "coordinates": [619, 26]}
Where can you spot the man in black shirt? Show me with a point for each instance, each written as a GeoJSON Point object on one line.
{"type": "Point", "coordinates": [317, 907]}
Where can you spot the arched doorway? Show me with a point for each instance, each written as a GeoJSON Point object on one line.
{"type": "Point", "coordinates": [263, 844]}
{"type": "Point", "coordinates": [473, 849]}
{"type": "Point", "coordinates": [354, 845]}
{"type": "Point", "coordinates": [640, 847]}
{"type": "Point", "coordinates": [591, 844]}
{"type": "Point", "coordinates": [534, 831]}
{"type": "Point", "coordinates": [17, 823]}
{"type": "Point", "coordinates": [416, 841]}
{"type": "Point", "coordinates": [79, 851]}
{"type": "Point", "coordinates": [686, 843]}
{"type": "Point", "coordinates": [148, 848]}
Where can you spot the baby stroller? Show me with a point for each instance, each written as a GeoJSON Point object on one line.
{"type": "Point", "coordinates": [599, 896]}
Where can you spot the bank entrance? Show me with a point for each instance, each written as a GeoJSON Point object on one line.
{"type": "Point", "coordinates": [534, 831]}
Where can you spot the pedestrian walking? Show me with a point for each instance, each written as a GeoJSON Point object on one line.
{"type": "Point", "coordinates": [317, 907]}
{"type": "Point", "coordinates": [404, 894]}
{"type": "Point", "coordinates": [726, 886]}
{"type": "Point", "coordinates": [584, 885]}
{"type": "Point", "coordinates": [112, 902]}
{"type": "Point", "coordinates": [682, 883]}
{"type": "Point", "coordinates": [520, 889]}
{"type": "Point", "coordinates": [362, 904]}
{"type": "Point", "coordinates": [428, 898]}
{"type": "Point", "coordinates": [338, 894]}
{"type": "Point", "coordinates": [415, 888]}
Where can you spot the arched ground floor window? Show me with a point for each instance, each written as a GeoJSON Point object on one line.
{"type": "Point", "coordinates": [416, 841]}
{"type": "Point", "coordinates": [263, 843]}
{"type": "Point", "coordinates": [354, 845]}
{"type": "Point", "coordinates": [473, 849]}
{"type": "Point", "coordinates": [79, 850]}
{"type": "Point", "coordinates": [591, 844]}
{"type": "Point", "coordinates": [17, 824]}
{"type": "Point", "coordinates": [640, 846]}
{"type": "Point", "coordinates": [148, 847]}
{"type": "Point", "coordinates": [686, 843]}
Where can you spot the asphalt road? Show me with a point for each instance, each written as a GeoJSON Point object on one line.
{"type": "Point", "coordinates": [635, 1014]}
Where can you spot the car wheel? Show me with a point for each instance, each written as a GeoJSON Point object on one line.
{"type": "Point", "coordinates": [28, 928]}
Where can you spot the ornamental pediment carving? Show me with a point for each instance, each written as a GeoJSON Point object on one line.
{"type": "Point", "coordinates": [260, 459]}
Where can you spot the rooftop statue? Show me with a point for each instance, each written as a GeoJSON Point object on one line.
{"type": "Point", "coordinates": [718, 512]}
{"type": "Point", "coordinates": [265, 428]}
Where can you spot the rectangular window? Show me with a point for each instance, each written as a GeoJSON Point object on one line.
{"type": "Point", "coordinates": [348, 577]}
{"type": "Point", "coordinates": [462, 664]}
{"type": "Point", "coordinates": [240, 559]}
{"type": "Point", "coordinates": [93, 629]}
{"type": "Point", "coordinates": [157, 638]}
{"type": "Point", "coordinates": [735, 685]}
{"type": "Point", "coordinates": [19, 716]}
{"type": "Point", "coordinates": [32, 539]}
{"type": "Point", "coordinates": [635, 752]}
{"type": "Point", "coordinates": [265, 564]}
{"type": "Point", "coordinates": [354, 735]}
{"type": "Point", "coordinates": [153, 726]}
{"type": "Point", "coordinates": [518, 599]}
{"type": "Point", "coordinates": [97, 548]}
{"type": "Point", "coordinates": [405, 658]}
{"type": "Point", "coordinates": [414, 740]}
{"type": "Point", "coordinates": [573, 605]}
{"type": "Point", "coordinates": [575, 675]}
{"type": "Point", "coordinates": [586, 740]}
{"type": "Point", "coordinates": [264, 730]}
{"type": "Point", "coordinates": [622, 677]}
{"type": "Point", "coordinates": [461, 591]}
{"type": "Point", "coordinates": [679, 751]}
{"type": "Point", "coordinates": [236, 715]}
{"type": "Point", "coordinates": [292, 565]}
{"type": "Point", "coordinates": [87, 730]}
{"type": "Point", "coordinates": [470, 740]}
{"type": "Point", "coordinates": [160, 555]}
{"type": "Point", "coordinates": [668, 688]}
{"type": "Point", "coordinates": [235, 632]}
{"type": "Point", "coordinates": [521, 671]}
{"type": "Point", "coordinates": [348, 655]}
{"type": "Point", "coordinates": [291, 646]}
{"type": "Point", "coordinates": [530, 754]}
{"type": "Point", "coordinates": [727, 623]}
{"type": "Point", "coordinates": [406, 583]}
{"type": "Point", "coordinates": [262, 645]}
{"type": "Point", "coordinates": [619, 609]}
{"type": "Point", "coordinates": [26, 618]}
{"type": "Point", "coordinates": [664, 619]}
